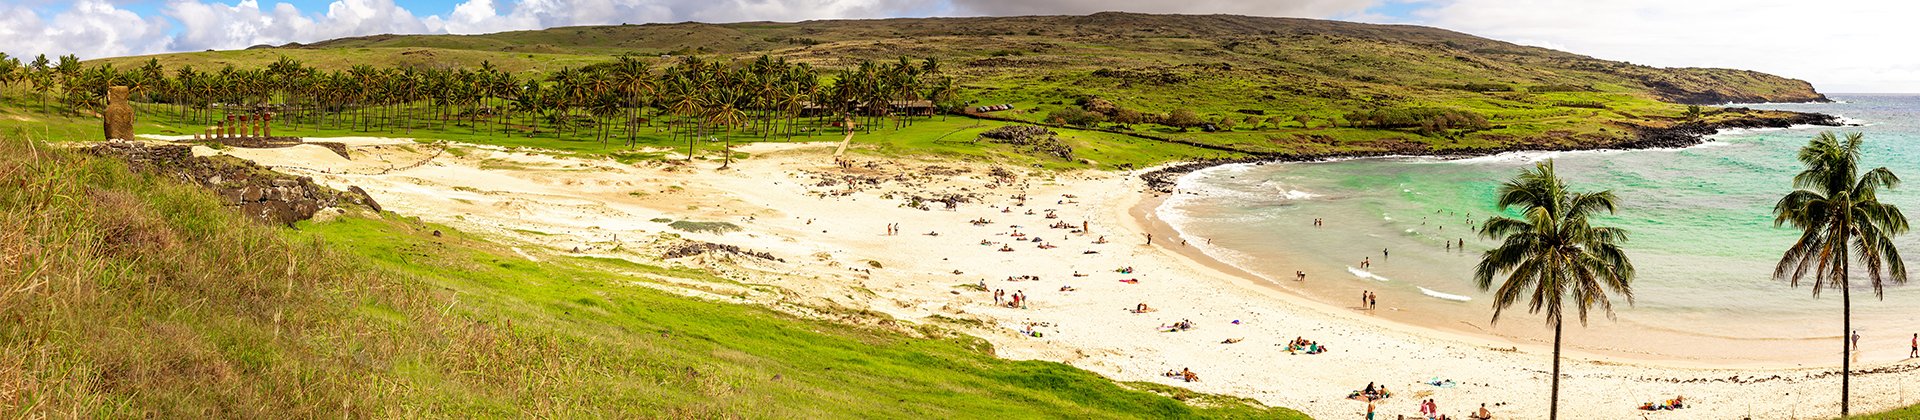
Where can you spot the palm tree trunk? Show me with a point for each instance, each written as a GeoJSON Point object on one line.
{"type": "Point", "coordinates": [1846, 338]}
{"type": "Point", "coordinates": [1553, 407]}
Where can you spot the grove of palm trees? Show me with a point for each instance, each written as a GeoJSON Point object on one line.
{"type": "Point", "coordinates": [690, 99]}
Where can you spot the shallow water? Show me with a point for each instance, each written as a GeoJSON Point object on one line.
{"type": "Point", "coordinates": [1702, 238]}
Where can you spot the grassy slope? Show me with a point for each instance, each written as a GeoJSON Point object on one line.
{"type": "Point", "coordinates": [1216, 65]}
{"type": "Point", "coordinates": [1900, 414]}
{"type": "Point", "coordinates": [131, 295]}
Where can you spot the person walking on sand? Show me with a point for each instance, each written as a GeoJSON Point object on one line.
{"type": "Point", "coordinates": [1916, 347]}
{"type": "Point", "coordinates": [1856, 341]}
{"type": "Point", "coordinates": [1369, 409]}
{"type": "Point", "coordinates": [1149, 239]}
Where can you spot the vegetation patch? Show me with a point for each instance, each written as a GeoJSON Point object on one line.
{"type": "Point", "coordinates": [704, 227]}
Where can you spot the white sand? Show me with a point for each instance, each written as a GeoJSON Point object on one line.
{"type": "Point", "coordinates": [566, 205]}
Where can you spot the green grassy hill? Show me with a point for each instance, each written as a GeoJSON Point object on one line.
{"type": "Point", "coordinates": [1313, 58]}
{"type": "Point", "coordinates": [1269, 85]}
{"type": "Point", "coordinates": [131, 295]}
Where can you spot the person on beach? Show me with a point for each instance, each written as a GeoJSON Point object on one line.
{"type": "Point", "coordinates": [1363, 301]}
{"type": "Point", "coordinates": [1373, 301]}
{"type": "Point", "coordinates": [1369, 409]}
{"type": "Point", "coordinates": [998, 295]}
{"type": "Point", "coordinates": [1383, 254]}
{"type": "Point", "coordinates": [1299, 276]}
{"type": "Point", "coordinates": [1366, 263]}
{"type": "Point", "coordinates": [1916, 347]}
{"type": "Point", "coordinates": [1483, 414]}
{"type": "Point", "coordinates": [1856, 340]}
{"type": "Point", "coordinates": [1149, 239]}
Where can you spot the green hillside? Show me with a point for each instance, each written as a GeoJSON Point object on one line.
{"type": "Point", "coordinates": [1259, 85]}
{"type": "Point", "coordinates": [134, 295]}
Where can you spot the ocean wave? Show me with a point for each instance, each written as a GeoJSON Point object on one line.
{"type": "Point", "coordinates": [1365, 274]}
{"type": "Point", "coordinates": [1443, 296]}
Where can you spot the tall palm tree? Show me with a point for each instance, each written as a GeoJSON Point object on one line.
{"type": "Point", "coordinates": [724, 112]}
{"type": "Point", "coordinates": [1840, 215]}
{"type": "Point", "coordinates": [1552, 254]}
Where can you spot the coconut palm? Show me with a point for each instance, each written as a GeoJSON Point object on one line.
{"type": "Point", "coordinates": [723, 111]}
{"type": "Point", "coordinates": [1842, 221]}
{"type": "Point", "coordinates": [1552, 254]}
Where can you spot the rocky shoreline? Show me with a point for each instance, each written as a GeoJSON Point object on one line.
{"type": "Point", "coordinates": [1681, 135]}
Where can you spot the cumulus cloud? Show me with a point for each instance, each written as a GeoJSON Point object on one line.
{"type": "Point", "coordinates": [89, 28]}
{"type": "Point", "coordinates": [244, 24]}
{"type": "Point", "coordinates": [1289, 8]}
{"type": "Point", "coordinates": [1850, 46]}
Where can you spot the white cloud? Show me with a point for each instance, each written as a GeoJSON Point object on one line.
{"type": "Point", "coordinates": [1850, 46]}
{"type": "Point", "coordinates": [89, 28]}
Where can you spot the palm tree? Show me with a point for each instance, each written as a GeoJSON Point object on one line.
{"type": "Point", "coordinates": [9, 71]}
{"type": "Point", "coordinates": [1554, 251]}
{"type": "Point", "coordinates": [724, 112]}
{"type": "Point", "coordinates": [1840, 213]}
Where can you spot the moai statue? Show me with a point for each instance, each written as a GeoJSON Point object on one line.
{"type": "Point", "coordinates": [118, 122]}
{"type": "Point", "coordinates": [266, 125]}
{"type": "Point", "coordinates": [226, 128]}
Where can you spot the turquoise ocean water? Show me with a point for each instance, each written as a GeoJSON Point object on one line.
{"type": "Point", "coordinates": [1701, 223]}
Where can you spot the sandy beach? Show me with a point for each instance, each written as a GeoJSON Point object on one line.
{"type": "Point", "coordinates": [830, 226]}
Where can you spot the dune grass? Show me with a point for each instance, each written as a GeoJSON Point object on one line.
{"type": "Point", "coordinates": [130, 295]}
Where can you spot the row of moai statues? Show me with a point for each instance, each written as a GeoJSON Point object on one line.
{"type": "Point", "coordinates": [255, 125]}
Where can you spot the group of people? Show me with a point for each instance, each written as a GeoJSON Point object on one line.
{"type": "Point", "coordinates": [1371, 393]}
{"type": "Point", "coordinates": [1368, 300]}
{"type": "Point", "coordinates": [1304, 345]}
{"type": "Point", "coordinates": [1017, 301]}
{"type": "Point", "coordinates": [1183, 325]}
{"type": "Point", "coordinates": [1431, 410]}
{"type": "Point", "coordinates": [1183, 374]}
{"type": "Point", "coordinates": [1678, 402]}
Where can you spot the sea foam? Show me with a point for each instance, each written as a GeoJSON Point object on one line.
{"type": "Point", "coordinates": [1443, 296]}
{"type": "Point", "coordinates": [1365, 274]}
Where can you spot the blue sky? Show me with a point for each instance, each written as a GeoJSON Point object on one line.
{"type": "Point", "coordinates": [1785, 37]}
